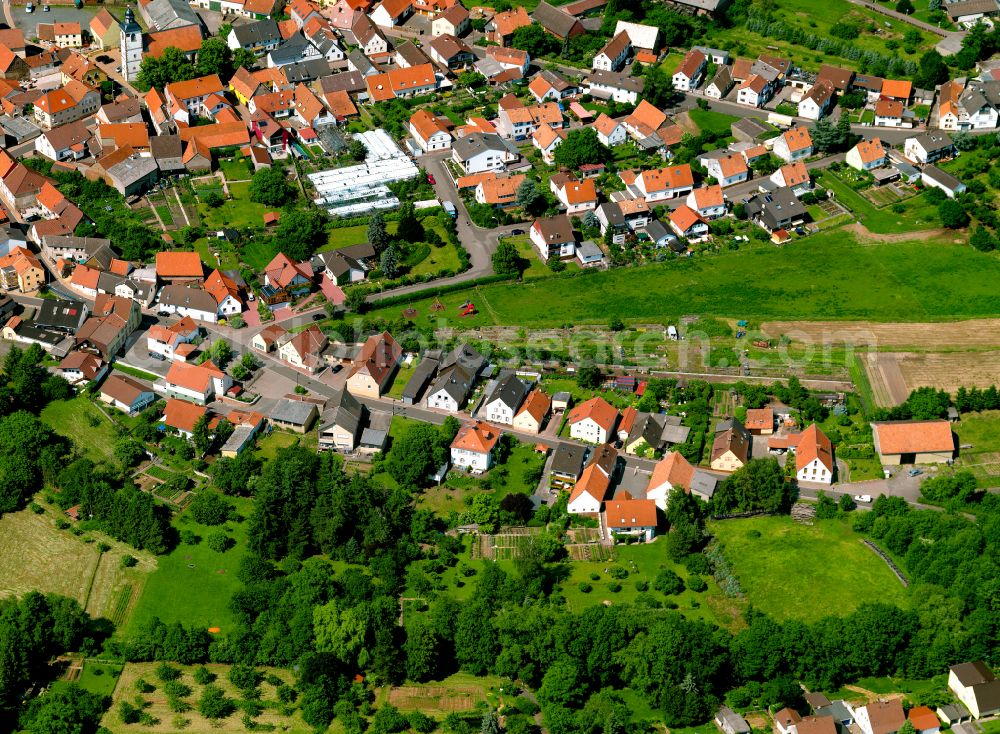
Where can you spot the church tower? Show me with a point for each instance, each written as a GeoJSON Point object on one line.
{"type": "Point", "coordinates": [131, 46]}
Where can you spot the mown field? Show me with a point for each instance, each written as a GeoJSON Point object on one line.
{"type": "Point", "coordinates": [829, 276]}
{"type": "Point", "coordinates": [794, 571]}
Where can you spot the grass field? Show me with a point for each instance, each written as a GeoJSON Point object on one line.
{"type": "Point", "coordinates": [257, 254]}
{"type": "Point", "coordinates": [709, 121]}
{"type": "Point", "coordinates": [403, 375]}
{"type": "Point", "coordinates": [269, 446]}
{"type": "Point", "coordinates": [238, 211]}
{"type": "Point", "coordinates": [80, 421]}
{"type": "Point", "coordinates": [455, 694]}
{"type": "Point", "coordinates": [846, 280]}
{"type": "Point", "coordinates": [39, 557]}
{"type": "Point", "coordinates": [99, 678]}
{"type": "Point", "coordinates": [135, 372]}
{"type": "Point", "coordinates": [827, 559]}
{"type": "Point", "coordinates": [918, 214]}
{"type": "Point", "coordinates": [272, 719]}
{"type": "Point", "coordinates": [193, 584]}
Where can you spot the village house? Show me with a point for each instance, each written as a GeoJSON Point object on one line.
{"type": "Point", "coordinates": [794, 144]}
{"type": "Point", "coordinates": [190, 96]}
{"type": "Point", "coordinates": [546, 140]}
{"type": "Point", "coordinates": [659, 184]}
{"type": "Point", "coordinates": [976, 686]}
{"type": "Point", "coordinates": [533, 411]}
{"type": "Point", "coordinates": [341, 423]}
{"type": "Point", "coordinates": [924, 720]}
{"type": "Point", "coordinates": [390, 13]}
{"type": "Point", "coordinates": [82, 368]}
{"type": "Point", "coordinates": [548, 86]}
{"type": "Point", "coordinates": [929, 147]}
{"type": "Point", "coordinates": [728, 169]}
{"type": "Point", "coordinates": [374, 366]}
{"type": "Point", "coordinates": [574, 196]}
{"type": "Point", "coordinates": [296, 416]}
{"type": "Point", "coordinates": [890, 113]}
{"type": "Point", "coordinates": [182, 417]}
{"type": "Point", "coordinates": [880, 717]}
{"type": "Point", "coordinates": [721, 83]}
{"type": "Point", "coordinates": [20, 270]}
{"type": "Point", "coordinates": [818, 101]}
{"type": "Point", "coordinates": [174, 341]}
{"type": "Point", "coordinates": [962, 107]}
{"type": "Point", "coordinates": [610, 132]}
{"type": "Point", "coordinates": [519, 122]}
{"type": "Point", "coordinates": [73, 101]}
{"type": "Point", "coordinates": [451, 388]}
{"type": "Point", "coordinates": [708, 201]}
{"type": "Point", "coordinates": [593, 420]}
{"type": "Point", "coordinates": [188, 300]}
{"type": "Point", "coordinates": [630, 517]}
{"type": "Point", "coordinates": [502, 404]}
{"type": "Point", "coordinates": [112, 321]}
{"type": "Point", "coordinates": [731, 447]}
{"type": "Point", "coordinates": [126, 393]}
{"type": "Point", "coordinates": [455, 21]}
{"type": "Point", "coordinates": [617, 86]}
{"type": "Point", "coordinates": [867, 155]}
{"type": "Point", "coordinates": [590, 490]}
{"type": "Point", "coordinates": [500, 28]}
{"type": "Point", "coordinates": [553, 236]}
{"type": "Point", "coordinates": [474, 447]}
{"type": "Point", "coordinates": [776, 210]}
{"type": "Point", "coordinates": [688, 74]}
{"type": "Point", "coordinates": [795, 176]}
{"type": "Point", "coordinates": [498, 192]}
{"type": "Point", "coordinates": [478, 152]}
{"type": "Point", "coordinates": [614, 54]}
{"type": "Point", "coordinates": [200, 383]}
{"type": "Point", "coordinates": [303, 349]}
{"type": "Point", "coordinates": [429, 132]}
{"type": "Point", "coordinates": [688, 223]}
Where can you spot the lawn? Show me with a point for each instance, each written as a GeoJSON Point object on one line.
{"type": "Point", "coordinates": [709, 121]}
{"type": "Point", "coordinates": [787, 558]}
{"type": "Point", "coordinates": [346, 236]}
{"type": "Point", "coordinates": [193, 584]}
{"type": "Point", "coordinates": [238, 211]}
{"type": "Point", "coordinates": [918, 213]}
{"type": "Point", "coordinates": [981, 431]}
{"type": "Point", "coordinates": [227, 259]}
{"type": "Point", "coordinates": [99, 678]}
{"type": "Point", "coordinates": [135, 372]}
{"type": "Point", "coordinates": [78, 419]}
{"type": "Point", "coordinates": [535, 266]}
{"type": "Point", "coordinates": [403, 375]}
{"type": "Point", "coordinates": [235, 169]}
{"type": "Point", "coordinates": [272, 718]}
{"type": "Point", "coordinates": [268, 447]}
{"type": "Point", "coordinates": [437, 259]}
{"type": "Point", "coordinates": [826, 276]}
{"type": "Point", "coordinates": [258, 253]}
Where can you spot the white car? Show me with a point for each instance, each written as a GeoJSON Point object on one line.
{"type": "Point", "coordinates": [862, 498]}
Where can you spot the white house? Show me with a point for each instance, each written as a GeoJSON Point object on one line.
{"type": "Point", "coordinates": [728, 170]}
{"type": "Point", "coordinates": [672, 471]}
{"type": "Point", "coordinates": [929, 147]}
{"type": "Point", "coordinates": [814, 456]}
{"type": "Point", "coordinates": [977, 687]}
{"type": "Point", "coordinates": [631, 517]}
{"type": "Point", "coordinates": [660, 183]}
{"type": "Point", "coordinates": [689, 72]}
{"type": "Point", "coordinates": [708, 201]}
{"type": "Point", "coordinates": [592, 420]}
{"type": "Point", "coordinates": [614, 55]}
{"type": "Point", "coordinates": [474, 447]}
{"type": "Point", "coordinates": [965, 108]}
{"type": "Point", "coordinates": [185, 300]}
{"type": "Point", "coordinates": [479, 152]}
{"type": "Point", "coordinates": [504, 401]}
{"type": "Point", "coordinates": [867, 155]}
{"type": "Point", "coordinates": [755, 91]}
{"type": "Point", "coordinates": [450, 389]}
{"type": "Point", "coordinates": [610, 132]}
{"type": "Point", "coordinates": [817, 101]}
{"type": "Point", "coordinates": [574, 196]}
{"type": "Point", "coordinates": [794, 176]}
{"type": "Point", "coordinates": [196, 382]}
{"type": "Point", "coordinates": [126, 394]}
{"type": "Point", "coordinates": [169, 341]}
{"type": "Point", "coordinates": [553, 236]}
{"type": "Point", "coordinates": [890, 113]}
{"type": "Point", "coordinates": [880, 717]}
{"type": "Point", "coordinates": [938, 179]}
{"type": "Point", "coordinates": [590, 489]}
{"type": "Point", "coordinates": [794, 144]}
{"type": "Point", "coordinates": [719, 86]}
{"type": "Point", "coordinates": [429, 132]}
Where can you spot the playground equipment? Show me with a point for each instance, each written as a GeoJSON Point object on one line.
{"type": "Point", "coordinates": [468, 309]}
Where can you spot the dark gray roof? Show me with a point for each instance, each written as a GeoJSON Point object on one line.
{"type": "Point", "coordinates": [346, 81]}
{"type": "Point", "coordinates": [933, 141]}
{"type": "Point", "coordinates": [617, 80]}
{"type": "Point", "coordinates": [751, 127]}
{"type": "Point", "coordinates": [337, 262]}
{"type": "Point", "coordinates": [456, 381]}
{"type": "Point", "coordinates": [101, 258]}
{"type": "Point", "coordinates": [362, 251]}
{"type": "Point", "coordinates": [295, 412]}
{"type": "Point", "coordinates": [509, 390]}
{"type": "Point", "coordinates": [306, 71]}
{"type": "Point", "coordinates": [954, 712]}
{"type": "Point", "coordinates": [465, 356]}
{"type": "Point", "coordinates": [556, 21]}
{"type": "Point", "coordinates": [291, 51]}
{"type": "Point", "coordinates": [942, 177]}
{"type": "Point", "coordinates": [611, 213]}
{"type": "Point", "coordinates": [60, 314]}
{"type": "Point", "coordinates": [476, 143]}
{"type": "Point", "coordinates": [411, 54]}
{"type": "Point", "coordinates": [568, 459]}
{"type": "Point", "coordinates": [89, 245]}
{"type": "Point", "coordinates": [361, 63]}
{"type": "Point", "coordinates": [703, 483]}
{"type": "Point", "coordinates": [775, 207]}
{"type": "Point", "coordinates": [260, 33]}
{"type": "Point", "coordinates": [164, 14]}
{"type": "Point", "coordinates": [343, 410]}
{"type": "Point", "coordinates": [107, 282]}
{"type": "Point", "coordinates": [422, 375]}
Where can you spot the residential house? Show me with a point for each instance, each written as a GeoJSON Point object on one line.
{"type": "Point", "coordinates": [890, 113]}
{"type": "Point", "coordinates": [557, 22]}
{"type": "Point", "coordinates": [914, 442]}
{"type": "Point", "coordinates": [929, 147]}
{"type": "Point", "coordinates": [226, 292]}
{"type": "Point", "coordinates": [969, 12]}
{"type": "Point", "coordinates": [283, 277]}
{"type": "Point", "coordinates": [776, 210]}
{"type": "Point", "coordinates": [502, 404]}
{"type": "Point", "coordinates": [303, 349]}
{"type": "Point", "coordinates": [391, 13]}
{"type": "Point", "coordinates": [553, 236]}
{"type": "Point", "coordinates": [721, 83]}
{"type": "Point", "coordinates": [727, 169]}
{"type": "Point", "coordinates": [688, 74]}
{"type": "Point", "coordinates": [478, 152]}
{"type": "Point", "coordinates": [498, 192]}
{"type": "Point", "coordinates": [20, 270]}
{"type": "Point", "coordinates": [924, 720]}
{"type": "Point", "coordinates": [188, 300]}
{"type": "Point", "coordinates": [659, 184]}
{"type": "Point", "coordinates": [574, 196]}
{"type": "Point", "coordinates": [174, 341]}
{"type": "Point", "coordinates": [179, 267]}
{"type": "Point", "coordinates": [567, 464]}
{"type": "Point", "coordinates": [936, 178]}
{"type": "Point", "coordinates": [112, 322]}
{"type": "Point", "coordinates": [73, 101]}
{"type": "Point", "coordinates": [730, 722]}
{"type": "Point", "coordinates": [688, 223]}
{"type": "Point", "coordinates": [708, 201]}
{"type": "Point", "coordinates": [794, 144]}
{"type": "Point", "coordinates": [474, 447]}
{"type": "Point", "coordinates": [500, 28]}
{"type": "Point", "coordinates": [962, 107]}
{"type": "Point", "coordinates": [614, 54]}
{"type": "Point", "coordinates": [259, 37]}
{"type": "Point", "coordinates": [200, 383]}
{"type": "Point", "coordinates": [731, 447]}
{"type": "Point", "coordinates": [450, 52]}
{"type": "Point", "coordinates": [339, 267]}
{"type": "Point", "coordinates": [759, 421]}
{"type": "Point", "coordinates": [755, 91]}
{"type": "Point", "coordinates": [813, 455]}
{"type": "Point", "coordinates": [520, 122]}
{"type": "Point", "coordinates": [617, 86]}
{"type": "Point", "coordinates": [867, 155]}
{"type": "Point", "coordinates": [818, 101]}
{"type": "Point", "coordinates": [104, 30]}
{"type": "Point", "coordinates": [610, 132]}
{"type": "Point", "coordinates": [531, 416]}
{"type": "Point", "coordinates": [455, 21]}
{"type": "Point", "coordinates": [126, 393]}
{"type": "Point", "coordinates": [672, 472]}
{"type": "Point", "coordinates": [269, 338]}
{"type": "Point", "coordinates": [190, 96]}
{"type": "Point", "coordinates": [590, 490]}
{"type": "Point", "coordinates": [593, 421]}
{"type": "Point", "coordinates": [548, 86]}
{"type": "Point", "coordinates": [374, 366]}
{"type": "Point", "coordinates": [631, 517]}
{"type": "Point", "coordinates": [976, 686]}
{"type": "Point", "coordinates": [341, 423]}
{"type": "Point", "coordinates": [546, 140]}
{"type": "Point", "coordinates": [785, 720]}
{"type": "Point", "coordinates": [12, 66]}
{"type": "Point", "coordinates": [429, 132]}
{"type": "Point", "coordinates": [793, 175]}
{"type": "Point", "coordinates": [880, 717]}
{"type": "Point", "coordinates": [451, 388]}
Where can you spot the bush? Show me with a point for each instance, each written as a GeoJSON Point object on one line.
{"type": "Point", "coordinates": [618, 572]}
{"type": "Point", "coordinates": [614, 587]}
{"type": "Point", "coordinates": [129, 561]}
{"type": "Point", "coordinates": [220, 542]}
{"type": "Point", "coordinates": [167, 672]}
{"type": "Point", "coordinates": [584, 587]}
{"type": "Point", "coordinates": [642, 586]}
{"type": "Point", "coordinates": [667, 582]}
{"type": "Point", "coordinates": [211, 508]}
{"type": "Point", "coordinates": [203, 676]}
{"type": "Point", "coordinates": [213, 703]}
{"type": "Point", "coordinates": [697, 584]}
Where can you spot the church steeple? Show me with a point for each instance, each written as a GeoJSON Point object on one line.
{"type": "Point", "coordinates": [131, 46]}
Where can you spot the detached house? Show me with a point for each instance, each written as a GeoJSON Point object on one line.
{"type": "Point", "coordinates": [966, 108]}
{"type": "Point", "coordinates": [731, 447]}
{"type": "Point", "coordinates": [283, 276]}
{"type": "Point", "coordinates": [813, 454]}
{"type": "Point", "coordinates": [500, 28]}
{"type": "Point", "coordinates": [429, 132]}
{"type": "Point", "coordinates": [817, 101]}
{"type": "Point", "coordinates": [728, 170]}
{"type": "Point", "coordinates": [610, 132]}
{"type": "Point", "coordinates": [688, 223]}
{"type": "Point", "coordinates": [794, 144]}
{"type": "Point", "coordinates": [673, 471]}
{"type": "Point", "coordinates": [975, 685]}
{"type": "Point", "coordinates": [374, 366]}
{"type": "Point", "coordinates": [593, 420]}
{"type": "Point", "coordinates": [574, 196]}
{"type": "Point", "coordinates": [880, 717]}
{"type": "Point", "coordinates": [659, 184]}
{"type": "Point", "coordinates": [553, 236]}
{"type": "Point", "coordinates": [708, 201]}
{"type": "Point", "coordinates": [474, 447]}
{"type": "Point", "coordinates": [196, 382]}
{"type": "Point", "coordinates": [73, 101]}
{"type": "Point", "coordinates": [929, 147]}
{"type": "Point", "coordinates": [614, 55]}
{"type": "Point", "coordinates": [341, 423]}
{"type": "Point", "coordinates": [631, 517]}
{"type": "Point", "coordinates": [174, 341]}
{"type": "Point", "coordinates": [504, 401]}
{"type": "Point", "coordinates": [587, 495]}
{"type": "Point", "coordinates": [688, 74]}
{"type": "Point", "coordinates": [303, 349]}
{"type": "Point", "coordinates": [867, 155]}
{"type": "Point", "coordinates": [479, 152]}
{"type": "Point", "coordinates": [126, 394]}
{"type": "Point", "coordinates": [391, 13]}
{"type": "Point", "coordinates": [721, 84]}
{"type": "Point", "coordinates": [793, 175]}
{"type": "Point", "coordinates": [531, 416]}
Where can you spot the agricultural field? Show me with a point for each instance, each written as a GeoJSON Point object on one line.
{"type": "Point", "coordinates": [81, 421]}
{"type": "Point", "coordinates": [156, 703]}
{"type": "Point", "coordinates": [193, 584]}
{"type": "Point", "coordinates": [777, 560]}
{"type": "Point", "coordinates": [852, 281]}
{"type": "Point", "coordinates": [40, 557]}
{"type": "Point", "coordinates": [457, 693]}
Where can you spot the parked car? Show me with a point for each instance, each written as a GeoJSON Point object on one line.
{"type": "Point", "coordinates": [863, 498]}
{"type": "Point", "coordinates": [516, 232]}
{"type": "Point", "coordinates": [913, 472]}
{"type": "Point", "coordinates": [430, 179]}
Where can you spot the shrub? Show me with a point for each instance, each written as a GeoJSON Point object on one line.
{"type": "Point", "coordinates": [167, 672]}
{"type": "Point", "coordinates": [220, 542]}
{"type": "Point", "coordinates": [618, 572]}
{"type": "Point", "coordinates": [203, 676]}
{"type": "Point", "coordinates": [696, 583]}
{"type": "Point", "coordinates": [667, 582]}
{"type": "Point", "coordinates": [584, 587]}
{"type": "Point", "coordinates": [642, 586]}
{"type": "Point", "coordinates": [129, 561]}
{"type": "Point", "coordinates": [614, 587]}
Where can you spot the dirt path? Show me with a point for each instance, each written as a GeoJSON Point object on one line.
{"type": "Point", "coordinates": [926, 234]}
{"type": "Point", "coordinates": [685, 121]}
{"type": "Point", "coordinates": [181, 205]}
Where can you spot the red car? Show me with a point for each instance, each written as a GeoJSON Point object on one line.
{"type": "Point", "coordinates": [430, 179]}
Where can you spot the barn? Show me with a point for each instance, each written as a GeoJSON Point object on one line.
{"type": "Point", "coordinates": [914, 442]}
